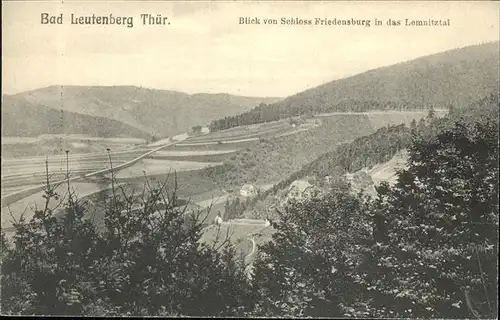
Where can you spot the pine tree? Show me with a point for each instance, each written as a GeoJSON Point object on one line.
{"type": "Point", "coordinates": [431, 114]}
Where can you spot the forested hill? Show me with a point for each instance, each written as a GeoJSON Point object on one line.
{"type": "Point", "coordinates": [155, 112]}
{"type": "Point", "coordinates": [21, 118]}
{"type": "Point", "coordinates": [378, 147]}
{"type": "Point", "coordinates": [457, 77]}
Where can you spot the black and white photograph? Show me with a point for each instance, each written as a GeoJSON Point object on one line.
{"type": "Point", "coordinates": [250, 159]}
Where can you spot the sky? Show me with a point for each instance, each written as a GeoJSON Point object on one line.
{"type": "Point", "coordinates": [205, 49]}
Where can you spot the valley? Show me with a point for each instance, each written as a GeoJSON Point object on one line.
{"type": "Point", "coordinates": [193, 157]}
{"type": "Point", "coordinates": [363, 197]}
{"type": "Point", "coordinates": [103, 111]}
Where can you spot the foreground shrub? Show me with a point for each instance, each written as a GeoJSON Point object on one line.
{"type": "Point", "coordinates": [146, 259]}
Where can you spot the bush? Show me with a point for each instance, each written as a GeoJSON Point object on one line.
{"type": "Point", "coordinates": [146, 261]}
{"type": "Point", "coordinates": [307, 269]}
{"type": "Point", "coordinates": [436, 231]}
{"type": "Point", "coordinates": [425, 247]}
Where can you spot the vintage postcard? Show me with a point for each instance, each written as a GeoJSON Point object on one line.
{"type": "Point", "coordinates": [332, 159]}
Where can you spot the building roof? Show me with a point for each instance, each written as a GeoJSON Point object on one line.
{"type": "Point", "coordinates": [300, 185]}
{"type": "Point", "coordinates": [248, 187]}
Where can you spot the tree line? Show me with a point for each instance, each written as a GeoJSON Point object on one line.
{"type": "Point", "coordinates": [267, 113]}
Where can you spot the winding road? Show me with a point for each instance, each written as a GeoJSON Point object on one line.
{"type": "Point", "coordinates": [248, 259]}
{"type": "Point", "coordinates": [254, 247]}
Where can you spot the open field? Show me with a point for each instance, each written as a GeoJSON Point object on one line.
{"type": "Point", "coordinates": [368, 178]}
{"type": "Point", "coordinates": [244, 234]}
{"type": "Point", "coordinates": [71, 137]}
{"type": "Point", "coordinates": [28, 170]}
{"type": "Point", "coordinates": [193, 153]}
{"type": "Point", "coordinates": [248, 130]}
{"type": "Point", "coordinates": [8, 190]}
{"type": "Point", "coordinates": [27, 204]}
{"type": "Point", "coordinates": [19, 140]}
{"type": "Point", "coordinates": [225, 136]}
{"type": "Point", "coordinates": [155, 167]}
{"type": "Point", "coordinates": [32, 170]}
{"type": "Point", "coordinates": [262, 130]}
{"type": "Point", "coordinates": [380, 119]}
{"type": "Point", "coordinates": [53, 144]}
{"type": "Point", "coordinates": [160, 142]}
{"type": "Point", "coordinates": [208, 143]}
{"type": "Point", "coordinates": [190, 183]}
{"type": "Point", "coordinates": [211, 146]}
{"type": "Point", "coordinates": [296, 143]}
{"type": "Point", "coordinates": [387, 171]}
{"type": "Point", "coordinates": [214, 195]}
{"type": "Point", "coordinates": [196, 155]}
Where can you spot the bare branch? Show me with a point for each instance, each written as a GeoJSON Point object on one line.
{"type": "Point", "coordinates": [200, 211]}
{"type": "Point", "coordinates": [227, 238]}
{"type": "Point", "coordinates": [12, 215]}
{"type": "Point", "coordinates": [469, 304]}
{"type": "Point", "coordinates": [208, 210]}
{"type": "Point", "coordinates": [482, 280]}
{"type": "Point", "coordinates": [217, 236]}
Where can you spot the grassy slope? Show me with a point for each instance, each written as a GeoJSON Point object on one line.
{"type": "Point", "coordinates": [367, 178]}
{"type": "Point", "coordinates": [240, 236]}
{"type": "Point", "coordinates": [271, 160]}
{"type": "Point", "coordinates": [23, 118]}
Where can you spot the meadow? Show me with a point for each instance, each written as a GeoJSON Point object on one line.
{"type": "Point", "coordinates": [195, 155]}
{"type": "Point", "coordinates": [56, 144]}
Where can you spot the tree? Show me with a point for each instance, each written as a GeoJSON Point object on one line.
{"type": "Point", "coordinates": [413, 125]}
{"type": "Point", "coordinates": [425, 247]}
{"type": "Point", "coordinates": [307, 268]}
{"type": "Point", "coordinates": [451, 109]}
{"type": "Point", "coordinates": [436, 230]}
{"type": "Point", "coordinates": [431, 113]}
{"type": "Point", "coordinates": [196, 129]}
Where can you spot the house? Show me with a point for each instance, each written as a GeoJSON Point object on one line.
{"type": "Point", "coordinates": [248, 190]}
{"type": "Point", "coordinates": [218, 219]}
{"type": "Point", "coordinates": [360, 180]}
{"type": "Point", "coordinates": [300, 189]}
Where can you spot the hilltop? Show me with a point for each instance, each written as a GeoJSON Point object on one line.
{"type": "Point", "coordinates": [139, 111]}
{"type": "Point", "coordinates": [456, 77]}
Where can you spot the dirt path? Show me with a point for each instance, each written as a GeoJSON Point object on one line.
{"type": "Point", "coordinates": [219, 199]}
{"type": "Point", "coordinates": [249, 260]}
{"type": "Point", "coordinates": [254, 246]}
